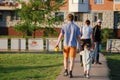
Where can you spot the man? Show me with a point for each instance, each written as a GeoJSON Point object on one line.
{"type": "Point", "coordinates": [97, 41]}
{"type": "Point", "coordinates": [71, 33]}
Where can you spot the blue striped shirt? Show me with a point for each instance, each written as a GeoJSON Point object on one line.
{"type": "Point", "coordinates": [70, 31]}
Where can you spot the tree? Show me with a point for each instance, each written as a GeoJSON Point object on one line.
{"type": "Point", "coordinates": [37, 13]}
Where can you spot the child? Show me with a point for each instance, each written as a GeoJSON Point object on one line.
{"type": "Point", "coordinates": [87, 59]}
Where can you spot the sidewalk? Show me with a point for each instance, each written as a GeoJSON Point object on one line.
{"type": "Point", "coordinates": [98, 72]}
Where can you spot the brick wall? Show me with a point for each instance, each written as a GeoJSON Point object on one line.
{"type": "Point", "coordinates": [65, 6]}
{"type": "Point", "coordinates": [38, 33]}
{"type": "Point", "coordinates": [118, 33]}
{"type": "Point", "coordinates": [108, 5]}
{"type": "Point", "coordinates": [12, 32]}
{"type": "Point", "coordinates": [9, 31]}
{"type": "Point", "coordinates": [117, 7]}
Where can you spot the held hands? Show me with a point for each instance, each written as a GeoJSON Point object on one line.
{"type": "Point", "coordinates": [91, 49]}
{"type": "Point", "coordinates": [93, 46]}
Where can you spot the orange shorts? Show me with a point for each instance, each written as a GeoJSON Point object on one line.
{"type": "Point", "coordinates": [69, 51]}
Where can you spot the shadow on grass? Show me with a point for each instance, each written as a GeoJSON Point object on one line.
{"type": "Point", "coordinates": [114, 66]}
{"type": "Point", "coordinates": [19, 68]}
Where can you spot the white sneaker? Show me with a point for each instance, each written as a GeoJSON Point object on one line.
{"type": "Point", "coordinates": [87, 76]}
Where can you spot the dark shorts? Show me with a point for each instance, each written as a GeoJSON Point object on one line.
{"type": "Point", "coordinates": [83, 42]}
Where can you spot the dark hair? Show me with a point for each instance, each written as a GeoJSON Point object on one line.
{"type": "Point", "coordinates": [70, 17]}
{"type": "Point", "coordinates": [87, 22]}
{"type": "Point", "coordinates": [86, 44]}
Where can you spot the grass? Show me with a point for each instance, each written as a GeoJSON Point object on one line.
{"type": "Point", "coordinates": [113, 61]}
{"type": "Point", "coordinates": [30, 66]}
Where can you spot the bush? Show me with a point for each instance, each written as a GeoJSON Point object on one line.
{"type": "Point", "coordinates": [107, 34]}
{"type": "Point", "coordinates": [50, 32]}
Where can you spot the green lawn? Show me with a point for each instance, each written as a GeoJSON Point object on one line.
{"type": "Point", "coordinates": [113, 61]}
{"type": "Point", "coordinates": [30, 66]}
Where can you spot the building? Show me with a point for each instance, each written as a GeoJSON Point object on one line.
{"type": "Point", "coordinates": [106, 10]}
{"type": "Point", "coordinates": [8, 17]}
{"type": "Point", "coordinates": [93, 10]}
{"type": "Point", "coordinates": [116, 8]}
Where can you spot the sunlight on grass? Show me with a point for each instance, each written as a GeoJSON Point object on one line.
{"type": "Point", "coordinates": [30, 66]}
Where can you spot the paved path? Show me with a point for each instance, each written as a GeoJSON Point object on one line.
{"type": "Point", "coordinates": [98, 72]}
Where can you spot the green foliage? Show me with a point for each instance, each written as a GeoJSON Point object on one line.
{"type": "Point", "coordinates": [30, 66]}
{"type": "Point", "coordinates": [38, 13]}
{"type": "Point", "coordinates": [23, 28]}
{"type": "Point", "coordinates": [107, 34]}
{"type": "Point", "coordinates": [49, 31]}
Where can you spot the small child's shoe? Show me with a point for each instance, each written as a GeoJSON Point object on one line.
{"type": "Point", "coordinates": [87, 76]}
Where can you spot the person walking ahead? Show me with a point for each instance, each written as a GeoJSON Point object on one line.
{"type": "Point", "coordinates": [97, 41]}
{"type": "Point", "coordinates": [86, 37]}
{"type": "Point", "coordinates": [71, 33]}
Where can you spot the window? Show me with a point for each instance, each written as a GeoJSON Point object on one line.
{"type": "Point", "coordinates": [100, 16]}
{"type": "Point", "coordinates": [1, 17]}
{"type": "Point", "coordinates": [59, 16]}
{"type": "Point", "coordinates": [14, 16]}
{"type": "Point", "coordinates": [99, 1]}
{"type": "Point", "coordinates": [78, 1]}
{"type": "Point", "coordinates": [117, 1]}
{"type": "Point", "coordinates": [118, 17]}
{"type": "Point", "coordinates": [78, 16]}
{"type": "Point", "coordinates": [97, 16]}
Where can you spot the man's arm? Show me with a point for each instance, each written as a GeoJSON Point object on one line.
{"type": "Point", "coordinates": [78, 38]}
{"type": "Point", "coordinates": [59, 39]}
{"type": "Point", "coordinates": [91, 37]}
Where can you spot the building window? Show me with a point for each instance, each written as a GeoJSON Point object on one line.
{"type": "Point", "coordinates": [99, 1]}
{"type": "Point", "coordinates": [59, 16]}
{"type": "Point", "coordinates": [1, 17]}
{"type": "Point", "coordinates": [78, 16]}
{"type": "Point", "coordinates": [117, 1]}
{"type": "Point", "coordinates": [97, 16]}
{"type": "Point", "coordinates": [119, 17]}
{"type": "Point", "coordinates": [78, 1]}
{"type": "Point", "coordinates": [14, 16]}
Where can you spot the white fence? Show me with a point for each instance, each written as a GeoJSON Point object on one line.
{"type": "Point", "coordinates": [113, 45]}
{"type": "Point", "coordinates": [35, 45]}
{"type": "Point", "coordinates": [3, 44]}
{"type": "Point", "coordinates": [32, 45]}
{"type": "Point", "coordinates": [50, 44]}
{"type": "Point", "coordinates": [22, 44]}
{"type": "Point", "coordinates": [18, 44]}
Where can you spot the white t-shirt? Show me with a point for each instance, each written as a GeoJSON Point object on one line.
{"type": "Point", "coordinates": [86, 31]}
